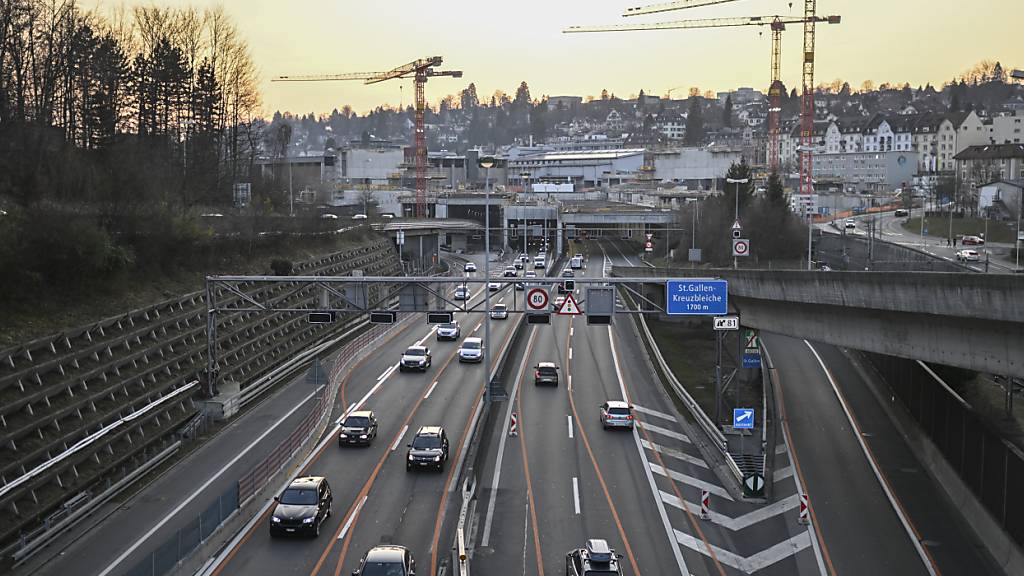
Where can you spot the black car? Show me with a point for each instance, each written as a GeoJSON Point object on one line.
{"type": "Point", "coordinates": [358, 428]}
{"type": "Point", "coordinates": [387, 560]}
{"type": "Point", "coordinates": [545, 373]}
{"type": "Point", "coordinates": [597, 559]}
{"type": "Point", "coordinates": [302, 507]}
{"type": "Point", "coordinates": [428, 449]}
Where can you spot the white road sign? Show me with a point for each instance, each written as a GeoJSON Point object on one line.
{"type": "Point", "coordinates": [537, 299]}
{"type": "Point", "coordinates": [741, 247]}
{"type": "Point", "coordinates": [727, 322]}
{"type": "Point", "coordinates": [570, 307]}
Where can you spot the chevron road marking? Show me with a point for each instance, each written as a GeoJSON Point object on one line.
{"type": "Point", "coordinates": [674, 453]}
{"type": "Point", "coordinates": [783, 473]}
{"type": "Point", "coordinates": [745, 520]}
{"type": "Point", "coordinates": [665, 432]}
{"type": "Point", "coordinates": [691, 481]}
{"type": "Point", "coordinates": [750, 564]}
{"type": "Point", "coordinates": [651, 412]}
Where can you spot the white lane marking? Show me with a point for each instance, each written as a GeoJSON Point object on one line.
{"type": "Point", "coordinates": [570, 353]}
{"type": "Point", "coordinates": [783, 473]}
{"type": "Point", "coordinates": [874, 467]}
{"type": "Point", "coordinates": [486, 538]}
{"type": "Point", "coordinates": [623, 254]}
{"type": "Point", "coordinates": [652, 412]}
{"type": "Point", "coordinates": [432, 386]}
{"type": "Point", "coordinates": [691, 481]}
{"type": "Point", "coordinates": [202, 489]}
{"type": "Point", "coordinates": [750, 564]}
{"type": "Point", "coordinates": [677, 454]}
{"type": "Point", "coordinates": [781, 449]}
{"type": "Point", "coordinates": [571, 330]}
{"type": "Point", "coordinates": [570, 382]}
{"type": "Point", "coordinates": [744, 520]}
{"type": "Point", "coordinates": [576, 494]}
{"type": "Point", "coordinates": [662, 513]}
{"type": "Point", "coordinates": [665, 432]}
{"type": "Point", "coordinates": [351, 518]}
{"type": "Point", "coordinates": [568, 418]}
{"type": "Point", "coordinates": [345, 413]}
{"type": "Point", "coordinates": [385, 374]}
{"type": "Point", "coordinates": [399, 439]}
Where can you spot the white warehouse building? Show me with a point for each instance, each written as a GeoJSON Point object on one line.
{"type": "Point", "coordinates": [584, 168]}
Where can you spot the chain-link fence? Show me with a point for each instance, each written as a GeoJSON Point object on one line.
{"type": "Point", "coordinates": [176, 548]}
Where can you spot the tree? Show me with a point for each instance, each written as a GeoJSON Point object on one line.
{"type": "Point", "coordinates": [867, 86]}
{"type": "Point", "coordinates": [522, 96]}
{"type": "Point", "coordinates": [695, 133]}
{"type": "Point", "coordinates": [468, 98]}
{"type": "Point", "coordinates": [604, 94]}
{"type": "Point", "coordinates": [727, 112]}
{"type": "Point", "coordinates": [998, 75]}
{"type": "Point", "coordinates": [775, 194]}
{"type": "Point", "coordinates": [538, 122]}
{"type": "Point", "coordinates": [739, 171]}
{"type": "Point", "coordinates": [845, 90]}
{"type": "Point", "coordinates": [954, 102]}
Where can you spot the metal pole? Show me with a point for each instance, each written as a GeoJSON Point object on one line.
{"type": "Point", "coordinates": [735, 260]}
{"type": "Point", "coordinates": [291, 195]}
{"type": "Point", "coordinates": [810, 228]}
{"type": "Point", "coordinates": [211, 339]}
{"type": "Point", "coordinates": [718, 377]}
{"type": "Point", "coordinates": [487, 289]}
{"type": "Point", "coordinates": [1016, 242]}
{"type": "Point", "coordinates": [693, 241]}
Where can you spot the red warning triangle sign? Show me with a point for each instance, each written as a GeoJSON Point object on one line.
{"type": "Point", "coordinates": [570, 307]}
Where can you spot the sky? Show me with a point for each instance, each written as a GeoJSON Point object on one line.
{"type": "Point", "coordinates": [498, 45]}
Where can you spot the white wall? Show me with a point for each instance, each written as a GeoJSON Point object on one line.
{"type": "Point", "coordinates": [694, 164]}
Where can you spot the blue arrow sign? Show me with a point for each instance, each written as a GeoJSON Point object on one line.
{"type": "Point", "coordinates": [743, 418]}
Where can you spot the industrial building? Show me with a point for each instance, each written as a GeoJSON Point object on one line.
{"type": "Point", "coordinates": [584, 168]}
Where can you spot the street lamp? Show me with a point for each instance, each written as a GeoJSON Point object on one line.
{"type": "Point", "coordinates": [737, 182]}
{"type": "Point", "coordinates": [487, 162]}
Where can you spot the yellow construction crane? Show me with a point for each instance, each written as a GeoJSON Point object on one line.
{"type": "Point", "coordinates": [419, 71]}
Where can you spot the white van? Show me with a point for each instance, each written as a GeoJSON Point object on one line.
{"type": "Point", "coordinates": [538, 262]}
{"type": "Point", "coordinates": [577, 261]}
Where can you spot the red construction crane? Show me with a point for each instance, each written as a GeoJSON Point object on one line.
{"type": "Point", "coordinates": [419, 71]}
{"type": "Point", "coordinates": [777, 24]}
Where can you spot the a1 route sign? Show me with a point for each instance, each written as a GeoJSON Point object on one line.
{"type": "Point", "coordinates": [537, 299]}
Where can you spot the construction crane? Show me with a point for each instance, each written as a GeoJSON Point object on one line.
{"type": "Point", "coordinates": [777, 24]}
{"type": "Point", "coordinates": [419, 71]}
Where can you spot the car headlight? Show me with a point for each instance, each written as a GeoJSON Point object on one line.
{"type": "Point", "coordinates": [363, 436]}
{"type": "Point", "coordinates": [275, 519]}
{"type": "Point", "coordinates": [410, 456]}
{"type": "Point", "coordinates": [437, 458]}
{"type": "Point", "coordinates": [308, 520]}
{"type": "Point", "coordinates": [343, 435]}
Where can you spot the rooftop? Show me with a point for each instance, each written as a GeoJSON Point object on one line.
{"type": "Point", "coordinates": [569, 156]}
{"type": "Point", "coordinates": [991, 151]}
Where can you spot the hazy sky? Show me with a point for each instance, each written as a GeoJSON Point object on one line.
{"type": "Point", "coordinates": [497, 45]}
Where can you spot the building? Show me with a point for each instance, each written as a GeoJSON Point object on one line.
{"type": "Point", "coordinates": [563, 102]}
{"type": "Point", "coordinates": [978, 165]}
{"type": "Point", "coordinates": [370, 164]}
{"type": "Point", "coordinates": [1001, 199]}
{"type": "Point", "coordinates": [1008, 128]}
{"type": "Point", "coordinates": [804, 205]}
{"type": "Point", "coordinates": [584, 168]}
{"type": "Point", "coordinates": [888, 133]}
{"type": "Point", "coordinates": [740, 96]}
{"type": "Point", "coordinates": [697, 168]}
{"type": "Point", "coordinates": [866, 172]}
{"type": "Point", "coordinates": [672, 125]}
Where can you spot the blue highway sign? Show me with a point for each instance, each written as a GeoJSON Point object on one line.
{"type": "Point", "coordinates": [697, 297]}
{"type": "Point", "coordinates": [743, 418]}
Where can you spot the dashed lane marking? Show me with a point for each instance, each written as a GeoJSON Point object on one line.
{"type": "Point", "coordinates": [398, 440]}
{"type": "Point", "coordinates": [691, 481]}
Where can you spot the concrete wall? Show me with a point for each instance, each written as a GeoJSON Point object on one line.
{"type": "Point", "coordinates": [694, 164]}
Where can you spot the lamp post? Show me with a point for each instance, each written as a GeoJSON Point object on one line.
{"type": "Point", "coordinates": [737, 182]}
{"type": "Point", "coordinates": [487, 162]}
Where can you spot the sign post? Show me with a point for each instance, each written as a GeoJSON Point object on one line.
{"type": "Point", "coordinates": [727, 322]}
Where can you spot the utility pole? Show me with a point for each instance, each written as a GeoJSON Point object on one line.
{"type": "Point", "coordinates": [486, 162]}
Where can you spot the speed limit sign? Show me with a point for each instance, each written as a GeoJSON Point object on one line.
{"type": "Point", "coordinates": [537, 299]}
{"type": "Point", "coordinates": [740, 247]}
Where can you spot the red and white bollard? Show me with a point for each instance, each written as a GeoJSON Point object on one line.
{"type": "Point", "coordinates": [804, 517]}
{"type": "Point", "coordinates": [705, 505]}
{"type": "Point", "coordinates": [513, 428]}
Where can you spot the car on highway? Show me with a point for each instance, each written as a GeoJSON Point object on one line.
{"type": "Point", "coordinates": [545, 373]}
{"type": "Point", "coordinates": [518, 264]}
{"type": "Point", "coordinates": [359, 427]}
{"type": "Point", "coordinates": [469, 267]}
{"type": "Point", "coordinates": [568, 273]}
{"type": "Point", "coordinates": [530, 274]}
{"type": "Point", "coordinates": [576, 261]}
{"type": "Point", "coordinates": [462, 293]}
{"type": "Point", "coordinates": [596, 559]}
{"type": "Point", "coordinates": [901, 213]}
{"type": "Point", "coordinates": [359, 216]}
{"type": "Point", "coordinates": [538, 262]}
{"type": "Point", "coordinates": [450, 331]}
{"type": "Point", "coordinates": [973, 241]}
{"type": "Point", "coordinates": [499, 312]}
{"type": "Point", "coordinates": [415, 358]}
{"type": "Point", "coordinates": [494, 286]}
{"type": "Point", "coordinates": [850, 223]}
{"type": "Point", "coordinates": [559, 300]}
{"type": "Point", "coordinates": [302, 507]}
{"type": "Point", "coordinates": [428, 449]}
{"type": "Point", "coordinates": [616, 414]}
{"type": "Point", "coordinates": [967, 255]}
{"type": "Point", "coordinates": [328, 216]}
{"type": "Point", "coordinates": [510, 272]}
{"type": "Point", "coordinates": [386, 560]}
{"type": "Point", "coordinates": [472, 350]}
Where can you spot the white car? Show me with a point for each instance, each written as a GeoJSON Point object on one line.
{"type": "Point", "coordinates": [469, 267]}
{"type": "Point", "coordinates": [448, 331]}
{"type": "Point", "coordinates": [359, 216]}
{"type": "Point", "coordinates": [539, 262]}
{"type": "Point", "coordinates": [328, 216]}
{"type": "Point", "coordinates": [499, 312]}
{"type": "Point", "coordinates": [510, 272]}
{"type": "Point", "coordinates": [967, 255]}
{"type": "Point", "coordinates": [616, 414]}
{"type": "Point", "coordinates": [494, 286]}
{"type": "Point", "coordinates": [462, 293]}
{"type": "Point", "coordinates": [472, 350]}
{"type": "Point", "coordinates": [850, 223]}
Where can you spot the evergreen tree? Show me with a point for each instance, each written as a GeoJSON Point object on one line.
{"type": "Point", "coordinates": [468, 98]}
{"type": "Point", "coordinates": [727, 112]}
{"type": "Point", "coordinates": [538, 122]}
{"type": "Point", "coordinates": [695, 133]}
{"type": "Point", "coordinates": [522, 96]}
{"type": "Point", "coordinates": [775, 195]}
{"type": "Point", "coordinates": [604, 94]}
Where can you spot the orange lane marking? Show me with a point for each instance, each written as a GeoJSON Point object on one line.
{"type": "Point", "coordinates": [600, 476]}
{"type": "Point", "coordinates": [799, 472]}
{"type": "Point", "coordinates": [245, 538]}
{"type": "Point", "coordinates": [526, 473]}
{"type": "Point", "coordinates": [675, 487]}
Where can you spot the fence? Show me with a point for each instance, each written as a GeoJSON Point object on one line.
{"type": "Point", "coordinates": [166, 557]}
{"type": "Point", "coordinates": [988, 465]}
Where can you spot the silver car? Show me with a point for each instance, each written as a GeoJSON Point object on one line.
{"type": "Point", "coordinates": [616, 414]}
{"type": "Point", "coordinates": [472, 350]}
{"type": "Point", "coordinates": [499, 312]}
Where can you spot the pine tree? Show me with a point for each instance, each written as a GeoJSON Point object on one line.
{"type": "Point", "coordinates": [694, 124]}
{"type": "Point", "coordinates": [727, 112]}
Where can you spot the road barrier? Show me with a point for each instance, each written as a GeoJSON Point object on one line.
{"type": "Point", "coordinates": [804, 517]}
{"type": "Point", "coordinates": [513, 429]}
{"type": "Point", "coordinates": [705, 505]}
